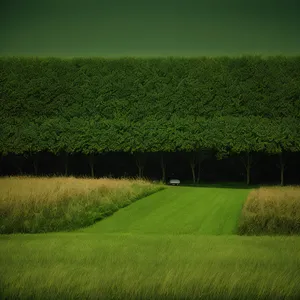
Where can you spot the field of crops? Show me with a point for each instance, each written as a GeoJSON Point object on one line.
{"type": "Point", "coordinates": [178, 243]}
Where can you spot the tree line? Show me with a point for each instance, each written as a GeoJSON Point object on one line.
{"type": "Point", "coordinates": [194, 105]}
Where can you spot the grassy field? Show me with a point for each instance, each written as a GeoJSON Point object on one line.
{"type": "Point", "coordinates": [148, 266]}
{"type": "Point", "coordinates": [178, 243]}
{"type": "Point", "coordinates": [272, 210]}
{"type": "Point", "coordinates": [31, 205]}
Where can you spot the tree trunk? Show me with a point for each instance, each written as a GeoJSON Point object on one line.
{"type": "Point", "coordinates": [36, 164]}
{"type": "Point", "coordinates": [202, 155]}
{"type": "Point", "coordinates": [247, 164]}
{"type": "Point", "coordinates": [20, 170]}
{"type": "Point", "coordinates": [66, 168]}
{"type": "Point", "coordinates": [248, 167]}
{"type": "Point", "coordinates": [282, 168]}
{"type": "Point", "coordinates": [163, 168]}
{"type": "Point", "coordinates": [199, 172]}
{"type": "Point", "coordinates": [282, 177]}
{"type": "Point", "coordinates": [193, 172]}
{"type": "Point", "coordinates": [91, 164]}
{"type": "Point", "coordinates": [248, 175]}
{"type": "Point", "coordinates": [66, 163]}
{"type": "Point", "coordinates": [140, 162]}
{"type": "Point", "coordinates": [193, 164]}
{"type": "Point", "coordinates": [18, 164]}
{"type": "Point", "coordinates": [141, 171]}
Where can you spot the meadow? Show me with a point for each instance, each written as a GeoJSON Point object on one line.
{"type": "Point", "coordinates": [178, 243]}
{"type": "Point", "coordinates": [271, 210]}
{"type": "Point", "coordinates": [148, 266]}
{"type": "Point", "coordinates": [31, 205]}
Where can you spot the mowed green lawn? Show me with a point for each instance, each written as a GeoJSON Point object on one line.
{"type": "Point", "coordinates": [179, 210]}
{"type": "Point", "coordinates": [176, 244]}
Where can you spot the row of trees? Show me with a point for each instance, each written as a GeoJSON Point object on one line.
{"type": "Point", "coordinates": [198, 136]}
{"type": "Point", "coordinates": [191, 166]}
{"type": "Point", "coordinates": [195, 105]}
{"type": "Point", "coordinates": [95, 135]}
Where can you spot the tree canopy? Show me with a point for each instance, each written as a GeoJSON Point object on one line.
{"type": "Point", "coordinates": [94, 105]}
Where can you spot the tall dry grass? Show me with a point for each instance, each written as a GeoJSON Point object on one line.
{"type": "Point", "coordinates": [29, 204]}
{"type": "Point", "coordinates": [271, 210]}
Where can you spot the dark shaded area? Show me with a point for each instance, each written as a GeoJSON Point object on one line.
{"type": "Point", "coordinates": [229, 170]}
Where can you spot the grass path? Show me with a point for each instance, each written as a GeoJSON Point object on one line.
{"type": "Point", "coordinates": [179, 210]}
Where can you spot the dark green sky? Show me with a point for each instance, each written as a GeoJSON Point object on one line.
{"type": "Point", "coordinates": [149, 28]}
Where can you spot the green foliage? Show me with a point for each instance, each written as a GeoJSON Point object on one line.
{"type": "Point", "coordinates": [245, 104]}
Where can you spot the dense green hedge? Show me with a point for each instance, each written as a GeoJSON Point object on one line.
{"type": "Point", "coordinates": [137, 88]}
{"type": "Point", "coordinates": [96, 105]}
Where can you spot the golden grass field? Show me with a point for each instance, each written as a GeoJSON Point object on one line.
{"type": "Point", "coordinates": [25, 201]}
{"type": "Point", "coordinates": [50, 190]}
{"type": "Point", "coordinates": [272, 210]}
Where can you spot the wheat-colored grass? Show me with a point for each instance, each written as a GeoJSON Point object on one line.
{"type": "Point", "coordinates": [29, 204]}
{"type": "Point", "coordinates": [280, 199]}
{"type": "Point", "coordinates": [50, 190]}
{"type": "Point", "coordinates": [272, 210]}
